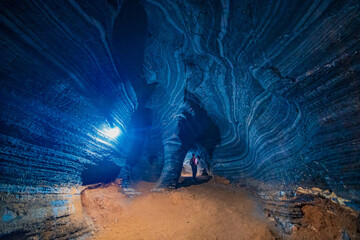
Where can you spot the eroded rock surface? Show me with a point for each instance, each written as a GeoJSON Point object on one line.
{"type": "Point", "coordinates": [267, 91]}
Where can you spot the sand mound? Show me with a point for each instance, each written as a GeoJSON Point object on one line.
{"type": "Point", "coordinates": [326, 220]}
{"type": "Point", "coordinates": [103, 204]}
{"type": "Point", "coordinates": [206, 211]}
{"type": "Point", "coordinates": [209, 210]}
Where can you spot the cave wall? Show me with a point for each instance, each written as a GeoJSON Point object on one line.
{"type": "Point", "coordinates": [269, 91]}
{"type": "Point", "coordinates": [279, 79]}
{"type": "Point", "coordinates": [59, 86]}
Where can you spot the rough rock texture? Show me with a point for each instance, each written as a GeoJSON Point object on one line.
{"type": "Point", "coordinates": [267, 90]}
{"type": "Point", "coordinates": [59, 85]}
{"type": "Point", "coordinates": [279, 80]}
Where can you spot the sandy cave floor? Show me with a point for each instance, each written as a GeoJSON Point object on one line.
{"type": "Point", "coordinates": [207, 210]}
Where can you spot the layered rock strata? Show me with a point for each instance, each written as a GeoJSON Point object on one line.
{"type": "Point", "coordinates": [267, 91]}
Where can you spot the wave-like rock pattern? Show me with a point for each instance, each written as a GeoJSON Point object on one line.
{"type": "Point", "coordinates": [267, 91]}
{"type": "Point", "coordinates": [59, 87]}
{"type": "Point", "coordinates": [279, 79]}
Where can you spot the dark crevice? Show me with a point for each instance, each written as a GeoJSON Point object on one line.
{"type": "Point", "coordinates": [198, 127]}
{"type": "Point", "coordinates": [105, 171]}
{"type": "Point", "coordinates": [129, 38]}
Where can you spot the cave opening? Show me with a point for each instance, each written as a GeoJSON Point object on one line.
{"type": "Point", "coordinates": [186, 168]}
{"type": "Point", "coordinates": [105, 172]}
{"type": "Point", "coordinates": [201, 154]}
{"type": "Point", "coordinates": [202, 169]}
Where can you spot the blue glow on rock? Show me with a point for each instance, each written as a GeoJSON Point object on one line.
{"type": "Point", "coordinates": [111, 132]}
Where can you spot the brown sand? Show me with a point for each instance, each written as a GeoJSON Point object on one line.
{"type": "Point", "coordinates": [212, 210]}
{"type": "Point", "coordinates": [326, 220]}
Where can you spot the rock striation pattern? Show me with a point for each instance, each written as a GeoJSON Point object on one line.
{"type": "Point", "coordinates": [267, 91]}
{"type": "Point", "coordinates": [278, 79]}
{"type": "Point", "coordinates": [60, 86]}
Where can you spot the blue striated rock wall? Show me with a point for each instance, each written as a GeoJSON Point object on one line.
{"type": "Point", "coordinates": [279, 79]}
{"type": "Point", "coordinates": [60, 88]}
{"type": "Point", "coordinates": [267, 91]}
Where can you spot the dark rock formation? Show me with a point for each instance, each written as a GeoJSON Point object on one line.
{"type": "Point", "coordinates": [268, 91]}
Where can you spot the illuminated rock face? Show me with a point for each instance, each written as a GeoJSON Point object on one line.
{"type": "Point", "coordinates": [60, 90]}
{"type": "Point", "coordinates": [279, 80]}
{"type": "Point", "coordinates": [268, 91]}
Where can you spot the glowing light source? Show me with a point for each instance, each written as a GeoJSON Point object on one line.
{"type": "Point", "coordinates": [111, 132]}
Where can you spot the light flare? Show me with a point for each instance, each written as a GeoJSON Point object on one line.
{"type": "Point", "coordinates": [111, 132]}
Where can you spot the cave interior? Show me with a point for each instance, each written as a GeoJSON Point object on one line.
{"type": "Point", "coordinates": [267, 93]}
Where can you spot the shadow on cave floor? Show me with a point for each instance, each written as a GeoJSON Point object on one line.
{"type": "Point", "coordinates": [188, 181]}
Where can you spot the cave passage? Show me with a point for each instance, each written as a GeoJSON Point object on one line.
{"type": "Point", "coordinates": [102, 104]}
{"type": "Point", "coordinates": [202, 165]}
{"type": "Point", "coordinates": [202, 173]}
{"type": "Point", "coordinates": [186, 168]}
